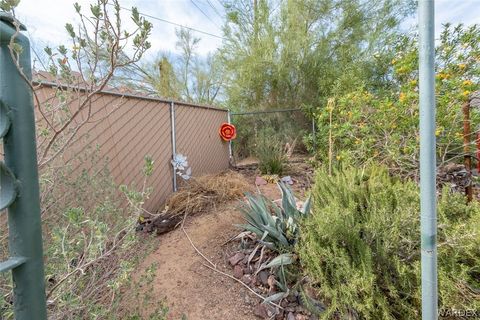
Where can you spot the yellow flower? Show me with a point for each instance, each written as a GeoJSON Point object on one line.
{"type": "Point", "coordinates": [357, 141]}
{"type": "Point", "coordinates": [462, 66]}
{"type": "Point", "coordinates": [443, 75]}
{"type": "Point", "coordinates": [349, 114]}
{"type": "Point", "coordinates": [439, 131]}
{"type": "Point", "coordinates": [402, 97]}
{"type": "Point", "coordinates": [466, 93]}
{"type": "Point", "coordinates": [413, 82]}
{"type": "Point", "coordinates": [467, 83]}
{"type": "Point", "coordinates": [394, 61]}
{"type": "Point", "coordinates": [339, 157]}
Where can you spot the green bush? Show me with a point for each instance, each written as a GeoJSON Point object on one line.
{"type": "Point", "coordinates": [361, 246]}
{"type": "Point", "coordinates": [90, 246]}
{"type": "Point", "coordinates": [281, 127]}
{"type": "Point", "coordinates": [383, 124]}
{"type": "Point", "coordinates": [270, 152]}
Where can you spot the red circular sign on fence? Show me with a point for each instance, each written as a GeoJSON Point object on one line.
{"type": "Point", "coordinates": [227, 131]}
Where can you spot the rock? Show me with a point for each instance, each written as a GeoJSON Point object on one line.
{"type": "Point", "coordinates": [292, 298]}
{"type": "Point", "coordinates": [259, 181]}
{"type": "Point", "coordinates": [271, 283]}
{"type": "Point", "coordinates": [236, 258]}
{"type": "Point", "coordinates": [246, 278]}
{"type": "Point", "coordinates": [280, 315]}
{"type": "Point", "coordinates": [270, 313]}
{"type": "Point", "coordinates": [237, 272]}
{"type": "Point", "coordinates": [301, 317]}
{"type": "Point", "coordinates": [263, 276]}
{"type": "Point", "coordinates": [299, 309]}
{"type": "Point", "coordinates": [287, 180]}
{"type": "Point", "coordinates": [290, 316]}
{"type": "Point", "coordinates": [247, 270]}
{"type": "Point", "coordinates": [260, 311]}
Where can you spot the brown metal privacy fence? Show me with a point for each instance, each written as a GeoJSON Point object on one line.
{"type": "Point", "coordinates": [123, 128]}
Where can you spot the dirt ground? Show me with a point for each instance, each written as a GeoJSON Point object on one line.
{"type": "Point", "coordinates": [182, 280]}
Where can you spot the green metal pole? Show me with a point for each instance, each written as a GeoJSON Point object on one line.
{"type": "Point", "coordinates": [427, 160]}
{"type": "Point", "coordinates": [25, 234]}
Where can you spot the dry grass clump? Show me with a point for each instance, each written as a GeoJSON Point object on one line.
{"type": "Point", "coordinates": [206, 192]}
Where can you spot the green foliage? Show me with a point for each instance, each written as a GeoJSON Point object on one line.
{"type": "Point", "coordinates": [136, 198]}
{"type": "Point", "coordinates": [85, 229]}
{"type": "Point", "coordinates": [281, 128]}
{"type": "Point", "coordinates": [282, 54]}
{"type": "Point", "coordinates": [90, 247]}
{"type": "Point", "coordinates": [271, 155]}
{"type": "Point", "coordinates": [276, 226]}
{"type": "Point", "coordinates": [361, 246]}
{"type": "Point", "coordinates": [9, 5]}
{"type": "Point", "coordinates": [98, 45]}
{"type": "Point", "coordinates": [383, 124]}
{"type": "Point", "coordinates": [188, 77]}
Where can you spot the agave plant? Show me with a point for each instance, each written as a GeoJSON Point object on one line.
{"type": "Point", "coordinates": [276, 226]}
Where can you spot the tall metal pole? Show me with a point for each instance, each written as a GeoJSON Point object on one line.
{"type": "Point", "coordinates": [24, 222]}
{"type": "Point", "coordinates": [427, 160]}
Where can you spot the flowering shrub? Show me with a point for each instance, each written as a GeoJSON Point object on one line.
{"type": "Point", "coordinates": [383, 124]}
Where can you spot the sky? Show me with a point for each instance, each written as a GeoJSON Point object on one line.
{"type": "Point", "coordinates": [45, 19]}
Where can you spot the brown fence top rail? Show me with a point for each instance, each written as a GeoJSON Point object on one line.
{"type": "Point", "coordinates": [128, 95]}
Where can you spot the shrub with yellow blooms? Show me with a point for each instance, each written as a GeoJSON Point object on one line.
{"type": "Point", "coordinates": [382, 125]}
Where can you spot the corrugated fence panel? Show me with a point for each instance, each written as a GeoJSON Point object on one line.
{"type": "Point", "coordinates": [198, 138]}
{"type": "Point", "coordinates": [125, 129]}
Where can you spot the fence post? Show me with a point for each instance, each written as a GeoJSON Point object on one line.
{"type": "Point", "coordinates": [174, 143]}
{"type": "Point", "coordinates": [230, 152]}
{"type": "Point", "coordinates": [19, 177]}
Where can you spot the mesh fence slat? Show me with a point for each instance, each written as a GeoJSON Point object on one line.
{"type": "Point", "coordinates": [123, 130]}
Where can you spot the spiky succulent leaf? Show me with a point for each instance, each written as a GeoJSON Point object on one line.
{"type": "Point", "coordinates": [307, 206]}
{"type": "Point", "coordinates": [276, 297]}
{"type": "Point", "coordinates": [278, 235]}
{"type": "Point", "coordinates": [280, 260]}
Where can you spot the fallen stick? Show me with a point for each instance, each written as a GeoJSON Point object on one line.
{"type": "Point", "coordinates": [243, 284]}
{"type": "Point", "coordinates": [213, 267]}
